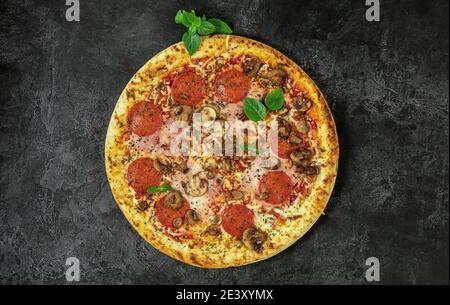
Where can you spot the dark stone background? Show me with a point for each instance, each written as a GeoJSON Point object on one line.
{"type": "Point", "coordinates": [387, 85]}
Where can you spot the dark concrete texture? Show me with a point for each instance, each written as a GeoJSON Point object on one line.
{"type": "Point", "coordinates": [387, 85]}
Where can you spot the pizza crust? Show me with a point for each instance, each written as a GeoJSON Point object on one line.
{"type": "Point", "coordinates": [225, 251]}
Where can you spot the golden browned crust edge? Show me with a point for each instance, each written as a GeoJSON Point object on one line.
{"type": "Point", "coordinates": [149, 75]}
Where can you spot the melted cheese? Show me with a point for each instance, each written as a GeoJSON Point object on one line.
{"type": "Point", "coordinates": [247, 181]}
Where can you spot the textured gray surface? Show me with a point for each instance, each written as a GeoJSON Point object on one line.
{"type": "Point", "coordinates": [387, 85]}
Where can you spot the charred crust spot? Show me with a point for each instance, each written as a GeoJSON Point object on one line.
{"type": "Point", "coordinates": [194, 260]}
{"type": "Point", "coordinates": [142, 206]}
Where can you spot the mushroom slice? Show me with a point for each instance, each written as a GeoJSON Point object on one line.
{"type": "Point", "coordinates": [283, 111]}
{"type": "Point", "coordinates": [270, 163]}
{"type": "Point", "coordinates": [302, 104]}
{"type": "Point", "coordinates": [276, 76]}
{"type": "Point", "coordinates": [182, 113]}
{"type": "Point", "coordinates": [238, 195]}
{"type": "Point", "coordinates": [208, 114]}
{"type": "Point", "coordinates": [303, 125]}
{"type": "Point", "coordinates": [177, 222]}
{"type": "Point", "coordinates": [142, 206]}
{"type": "Point", "coordinates": [251, 65]}
{"type": "Point", "coordinates": [210, 175]}
{"type": "Point", "coordinates": [226, 165]}
{"type": "Point", "coordinates": [209, 164]}
{"type": "Point", "coordinates": [294, 139]}
{"type": "Point", "coordinates": [173, 200]}
{"type": "Point", "coordinates": [182, 167]}
{"type": "Point", "coordinates": [213, 230]}
{"type": "Point", "coordinates": [196, 186]}
{"type": "Point", "coordinates": [162, 165]}
{"type": "Point", "coordinates": [191, 217]}
{"type": "Point", "coordinates": [311, 170]}
{"type": "Point", "coordinates": [283, 128]}
{"type": "Point", "coordinates": [253, 239]}
{"type": "Point", "coordinates": [299, 156]}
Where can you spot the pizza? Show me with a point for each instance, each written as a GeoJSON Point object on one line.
{"type": "Point", "coordinates": [220, 209]}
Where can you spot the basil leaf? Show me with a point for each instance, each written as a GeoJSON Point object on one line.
{"type": "Point", "coordinates": [274, 99]}
{"type": "Point", "coordinates": [254, 109]}
{"type": "Point", "coordinates": [206, 28]}
{"type": "Point", "coordinates": [197, 22]}
{"type": "Point", "coordinates": [192, 29]}
{"type": "Point", "coordinates": [159, 189]}
{"type": "Point", "coordinates": [191, 42]}
{"type": "Point", "coordinates": [179, 17]}
{"type": "Point", "coordinates": [198, 26]}
{"type": "Point", "coordinates": [221, 27]}
{"type": "Point", "coordinates": [253, 148]}
{"type": "Point", "coordinates": [188, 18]}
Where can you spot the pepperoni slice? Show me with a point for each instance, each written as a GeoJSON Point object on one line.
{"type": "Point", "coordinates": [142, 174]}
{"type": "Point", "coordinates": [189, 88]}
{"type": "Point", "coordinates": [236, 218]}
{"type": "Point", "coordinates": [284, 149]}
{"type": "Point", "coordinates": [232, 86]}
{"type": "Point", "coordinates": [166, 215]}
{"type": "Point", "coordinates": [144, 118]}
{"type": "Point", "coordinates": [275, 188]}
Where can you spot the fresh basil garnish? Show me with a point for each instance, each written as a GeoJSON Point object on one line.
{"type": "Point", "coordinates": [179, 17]}
{"type": "Point", "coordinates": [191, 42]}
{"type": "Point", "coordinates": [159, 189]}
{"type": "Point", "coordinates": [188, 18]}
{"type": "Point", "coordinates": [199, 26]}
{"type": "Point", "coordinates": [221, 27]}
{"type": "Point", "coordinates": [254, 109]}
{"type": "Point", "coordinates": [206, 28]}
{"type": "Point", "coordinates": [274, 99]}
{"type": "Point", "coordinates": [192, 30]}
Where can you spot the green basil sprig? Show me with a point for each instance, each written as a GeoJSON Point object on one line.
{"type": "Point", "coordinates": [254, 109]}
{"type": "Point", "coordinates": [199, 27]}
{"type": "Point", "coordinates": [159, 189]}
{"type": "Point", "coordinates": [274, 99]}
{"type": "Point", "coordinates": [191, 42]}
{"type": "Point", "coordinates": [221, 27]}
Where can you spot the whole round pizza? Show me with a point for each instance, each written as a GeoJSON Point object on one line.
{"type": "Point", "coordinates": [223, 158]}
